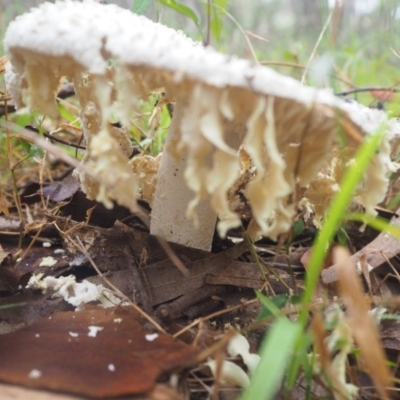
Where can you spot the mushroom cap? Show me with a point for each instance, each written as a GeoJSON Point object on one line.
{"type": "Point", "coordinates": [91, 33]}
{"type": "Point", "coordinates": [287, 129]}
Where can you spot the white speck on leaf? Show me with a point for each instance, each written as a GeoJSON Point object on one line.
{"type": "Point", "coordinates": [111, 367]}
{"type": "Point", "coordinates": [151, 336]}
{"type": "Point", "coordinates": [93, 330]}
{"type": "Point", "coordinates": [117, 320]}
{"type": "Point", "coordinates": [73, 334]}
{"type": "Point", "coordinates": [35, 374]}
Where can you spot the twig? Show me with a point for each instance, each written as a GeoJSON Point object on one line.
{"type": "Point", "coordinates": [257, 36]}
{"type": "Point", "coordinates": [54, 138]}
{"type": "Point", "coordinates": [367, 89]}
{"type": "Point", "coordinates": [221, 344]}
{"type": "Point", "coordinates": [213, 315]}
{"type": "Point", "coordinates": [172, 310]}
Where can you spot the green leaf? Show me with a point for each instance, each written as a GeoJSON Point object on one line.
{"type": "Point", "coordinates": [299, 360]}
{"type": "Point", "coordinates": [66, 114]}
{"type": "Point", "coordinates": [218, 10]}
{"type": "Point", "coordinates": [298, 228]}
{"type": "Point", "coordinates": [181, 9]}
{"type": "Point", "coordinates": [216, 27]}
{"type": "Point", "coordinates": [140, 6]}
{"type": "Point", "coordinates": [342, 237]}
{"type": "Point", "coordinates": [272, 306]}
{"type": "Point", "coordinates": [289, 56]}
{"type": "Point", "coordinates": [25, 145]}
{"type": "Point", "coordinates": [31, 149]}
{"type": "Point", "coordinates": [276, 350]}
{"type": "Point", "coordinates": [394, 202]}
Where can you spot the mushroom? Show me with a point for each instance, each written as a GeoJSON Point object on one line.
{"type": "Point", "coordinates": [223, 104]}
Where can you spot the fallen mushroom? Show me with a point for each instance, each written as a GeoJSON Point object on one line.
{"type": "Point", "coordinates": [223, 104]}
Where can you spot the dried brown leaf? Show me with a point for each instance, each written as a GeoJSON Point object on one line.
{"type": "Point", "coordinates": [3, 62]}
{"type": "Point", "coordinates": [57, 353]}
{"type": "Point", "coordinates": [3, 205]}
{"type": "Point", "coordinates": [377, 252]}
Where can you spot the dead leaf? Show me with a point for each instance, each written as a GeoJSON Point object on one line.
{"type": "Point", "coordinates": [9, 276]}
{"type": "Point", "coordinates": [377, 252]}
{"type": "Point", "coordinates": [57, 353]}
{"type": "Point", "coordinates": [62, 190]}
{"type": "Point", "coordinates": [9, 392]}
{"type": "Point", "coordinates": [384, 95]}
{"type": "Point", "coordinates": [26, 307]}
{"type": "Point", "coordinates": [169, 283]}
{"type": "Point", "coordinates": [3, 62]}
{"type": "Point", "coordinates": [3, 205]}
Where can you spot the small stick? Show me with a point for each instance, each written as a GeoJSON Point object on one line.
{"type": "Point", "coordinates": [176, 307]}
{"type": "Point", "coordinates": [367, 89]}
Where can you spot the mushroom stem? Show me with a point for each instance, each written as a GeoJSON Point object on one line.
{"type": "Point", "coordinates": [172, 195]}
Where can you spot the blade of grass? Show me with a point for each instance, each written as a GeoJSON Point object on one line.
{"type": "Point", "coordinates": [377, 223]}
{"type": "Point", "coordinates": [276, 350]}
{"type": "Point", "coordinates": [336, 214]}
{"type": "Point", "coordinates": [13, 305]}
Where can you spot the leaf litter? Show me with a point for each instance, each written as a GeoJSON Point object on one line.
{"type": "Point", "coordinates": [166, 290]}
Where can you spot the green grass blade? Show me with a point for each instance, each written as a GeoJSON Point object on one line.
{"type": "Point", "coordinates": [13, 305]}
{"type": "Point", "coordinates": [377, 223]}
{"type": "Point", "coordinates": [276, 351]}
{"type": "Point", "coordinates": [335, 216]}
